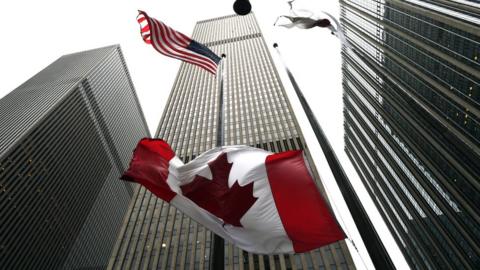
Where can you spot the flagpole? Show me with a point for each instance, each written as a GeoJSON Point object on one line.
{"type": "Point", "coordinates": [220, 122]}
{"type": "Point", "coordinates": [217, 260]}
{"type": "Point", "coordinates": [374, 245]}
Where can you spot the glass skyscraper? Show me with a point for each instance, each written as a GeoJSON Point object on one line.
{"type": "Point", "coordinates": [66, 136]}
{"type": "Point", "coordinates": [257, 113]}
{"type": "Point", "coordinates": [411, 82]}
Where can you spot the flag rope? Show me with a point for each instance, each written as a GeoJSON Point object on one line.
{"type": "Point", "coordinates": [220, 120]}
{"type": "Point", "coordinates": [218, 244]}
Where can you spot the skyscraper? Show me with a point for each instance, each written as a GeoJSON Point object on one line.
{"type": "Point", "coordinates": [257, 113]}
{"type": "Point", "coordinates": [412, 122]}
{"type": "Point", "coordinates": [66, 136]}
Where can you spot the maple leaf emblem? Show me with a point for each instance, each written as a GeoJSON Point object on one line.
{"type": "Point", "coordinates": [229, 204]}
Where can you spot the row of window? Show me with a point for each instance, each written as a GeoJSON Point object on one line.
{"type": "Point", "coordinates": [451, 228]}
{"type": "Point", "coordinates": [425, 145]}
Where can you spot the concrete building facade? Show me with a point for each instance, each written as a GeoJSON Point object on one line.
{"type": "Point", "coordinates": [66, 136]}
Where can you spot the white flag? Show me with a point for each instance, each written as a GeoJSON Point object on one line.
{"type": "Point", "coordinates": [306, 19]}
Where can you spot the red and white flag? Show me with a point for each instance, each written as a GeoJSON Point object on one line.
{"type": "Point", "coordinates": [306, 19]}
{"type": "Point", "coordinates": [263, 202]}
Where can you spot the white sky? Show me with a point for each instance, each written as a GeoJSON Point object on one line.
{"type": "Point", "coordinates": [35, 33]}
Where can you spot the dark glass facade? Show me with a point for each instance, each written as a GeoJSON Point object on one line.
{"type": "Point", "coordinates": [66, 136]}
{"type": "Point", "coordinates": [257, 113]}
{"type": "Point", "coordinates": [411, 84]}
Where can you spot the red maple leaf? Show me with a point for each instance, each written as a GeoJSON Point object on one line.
{"type": "Point", "coordinates": [229, 204]}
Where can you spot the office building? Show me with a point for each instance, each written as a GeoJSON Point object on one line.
{"type": "Point", "coordinates": [66, 136]}
{"type": "Point", "coordinates": [257, 113]}
{"type": "Point", "coordinates": [412, 122]}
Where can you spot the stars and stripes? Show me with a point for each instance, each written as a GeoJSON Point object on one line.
{"type": "Point", "coordinates": [175, 44]}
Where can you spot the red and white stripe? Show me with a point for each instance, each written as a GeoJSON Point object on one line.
{"type": "Point", "coordinates": [289, 214]}
{"type": "Point", "coordinates": [171, 43]}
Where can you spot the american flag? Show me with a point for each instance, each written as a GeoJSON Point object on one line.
{"type": "Point", "coordinates": [175, 44]}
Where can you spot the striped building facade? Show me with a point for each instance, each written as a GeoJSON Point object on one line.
{"type": "Point", "coordinates": [257, 113]}
{"type": "Point", "coordinates": [412, 122]}
{"type": "Point", "coordinates": [66, 136]}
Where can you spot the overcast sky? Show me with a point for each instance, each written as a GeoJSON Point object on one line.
{"type": "Point", "coordinates": [35, 33]}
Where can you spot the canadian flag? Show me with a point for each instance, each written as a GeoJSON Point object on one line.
{"type": "Point", "coordinates": [263, 202]}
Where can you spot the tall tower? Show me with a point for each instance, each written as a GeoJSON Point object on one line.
{"type": "Point", "coordinates": [257, 113]}
{"type": "Point", "coordinates": [66, 136]}
{"type": "Point", "coordinates": [412, 122]}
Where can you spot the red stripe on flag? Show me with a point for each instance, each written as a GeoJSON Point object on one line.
{"type": "Point", "coordinates": [146, 28]}
{"type": "Point", "coordinates": [163, 45]}
{"type": "Point", "coordinates": [177, 38]}
{"type": "Point", "coordinates": [202, 60]}
{"type": "Point", "coordinates": [149, 167]}
{"type": "Point", "coordinates": [304, 214]}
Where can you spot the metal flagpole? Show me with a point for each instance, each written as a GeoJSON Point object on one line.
{"type": "Point", "coordinates": [217, 260]}
{"type": "Point", "coordinates": [375, 247]}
